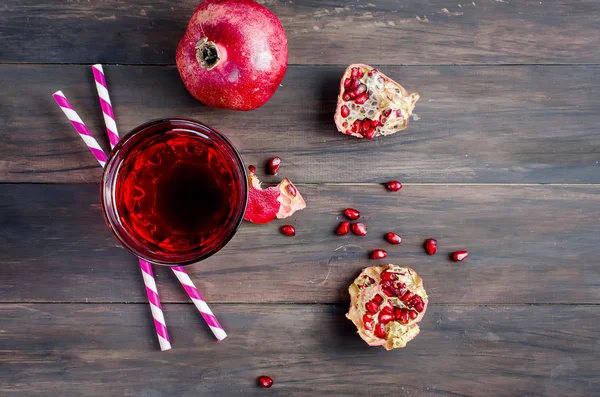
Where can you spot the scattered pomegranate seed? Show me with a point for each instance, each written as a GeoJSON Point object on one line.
{"type": "Point", "coordinates": [265, 381]}
{"type": "Point", "coordinates": [378, 254]}
{"type": "Point", "coordinates": [343, 228]}
{"type": "Point", "coordinates": [460, 256]}
{"type": "Point", "coordinates": [393, 186]}
{"type": "Point", "coordinates": [393, 238]}
{"type": "Point", "coordinates": [352, 214]}
{"type": "Point", "coordinates": [359, 229]}
{"type": "Point", "coordinates": [431, 246]}
{"type": "Point", "coordinates": [252, 169]}
{"type": "Point", "coordinates": [273, 165]}
{"type": "Point", "coordinates": [288, 230]}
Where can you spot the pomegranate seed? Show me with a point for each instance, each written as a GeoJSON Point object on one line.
{"type": "Point", "coordinates": [361, 99]}
{"type": "Point", "coordinates": [385, 318]}
{"type": "Point", "coordinates": [360, 89]}
{"type": "Point", "coordinates": [369, 326]}
{"type": "Point", "coordinates": [388, 292]}
{"type": "Point", "coordinates": [252, 169]}
{"type": "Point", "coordinates": [419, 307]}
{"type": "Point", "coordinates": [345, 111]}
{"type": "Point", "coordinates": [386, 283]}
{"type": "Point", "coordinates": [407, 296]}
{"type": "Point", "coordinates": [352, 214]}
{"type": "Point", "coordinates": [367, 318]}
{"type": "Point", "coordinates": [354, 72]}
{"type": "Point", "coordinates": [385, 275]}
{"type": "Point", "coordinates": [460, 256]}
{"type": "Point", "coordinates": [380, 331]}
{"type": "Point", "coordinates": [404, 316]}
{"type": "Point", "coordinates": [371, 280]}
{"type": "Point", "coordinates": [366, 125]}
{"type": "Point", "coordinates": [273, 165]}
{"type": "Point", "coordinates": [378, 299]}
{"type": "Point", "coordinates": [393, 186]}
{"type": "Point", "coordinates": [346, 97]}
{"type": "Point", "coordinates": [360, 73]}
{"type": "Point", "coordinates": [265, 381]}
{"type": "Point", "coordinates": [393, 238]}
{"type": "Point", "coordinates": [431, 246]}
{"type": "Point", "coordinates": [354, 84]}
{"type": "Point", "coordinates": [347, 82]}
{"type": "Point", "coordinates": [288, 230]}
{"type": "Point", "coordinates": [413, 314]}
{"type": "Point", "coordinates": [372, 307]}
{"type": "Point", "coordinates": [378, 254]}
{"type": "Point", "coordinates": [359, 229]}
{"type": "Point", "coordinates": [397, 313]}
{"type": "Point", "coordinates": [343, 228]}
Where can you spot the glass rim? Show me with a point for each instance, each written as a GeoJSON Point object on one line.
{"type": "Point", "coordinates": [110, 176]}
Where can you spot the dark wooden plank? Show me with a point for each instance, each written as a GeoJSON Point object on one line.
{"type": "Point", "coordinates": [527, 245]}
{"type": "Point", "coordinates": [99, 350]}
{"type": "Point", "coordinates": [333, 32]}
{"type": "Point", "coordinates": [478, 124]}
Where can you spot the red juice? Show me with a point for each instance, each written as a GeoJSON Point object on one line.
{"type": "Point", "coordinates": [177, 194]}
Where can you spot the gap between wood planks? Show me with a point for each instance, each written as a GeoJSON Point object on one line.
{"type": "Point", "coordinates": [293, 303]}
{"type": "Point", "coordinates": [312, 64]}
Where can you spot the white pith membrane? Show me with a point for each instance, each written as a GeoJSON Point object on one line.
{"type": "Point", "coordinates": [389, 105]}
{"type": "Point", "coordinates": [364, 290]}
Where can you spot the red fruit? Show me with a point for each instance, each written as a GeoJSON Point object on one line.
{"type": "Point", "coordinates": [393, 238]}
{"type": "Point", "coordinates": [252, 169]}
{"type": "Point", "coordinates": [382, 319]}
{"type": "Point", "coordinates": [393, 186]}
{"type": "Point", "coordinates": [460, 256]}
{"type": "Point", "coordinates": [431, 246]}
{"type": "Point", "coordinates": [352, 214]}
{"type": "Point", "coordinates": [273, 165]}
{"type": "Point", "coordinates": [288, 230]}
{"type": "Point", "coordinates": [233, 54]}
{"type": "Point", "coordinates": [378, 254]}
{"type": "Point", "coordinates": [343, 228]}
{"type": "Point", "coordinates": [265, 381]}
{"type": "Point", "coordinates": [371, 104]}
{"type": "Point", "coordinates": [273, 202]}
{"type": "Point", "coordinates": [359, 229]}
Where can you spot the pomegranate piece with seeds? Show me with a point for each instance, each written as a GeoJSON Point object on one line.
{"type": "Point", "coordinates": [386, 304]}
{"type": "Point", "coordinates": [359, 228]}
{"type": "Point", "coordinates": [343, 228]}
{"type": "Point", "coordinates": [288, 230]}
{"type": "Point", "coordinates": [393, 238]}
{"type": "Point", "coordinates": [264, 205]}
{"type": "Point", "coordinates": [431, 246]}
{"type": "Point", "coordinates": [460, 256]}
{"type": "Point", "coordinates": [265, 381]}
{"type": "Point", "coordinates": [273, 165]}
{"type": "Point", "coordinates": [352, 214]}
{"type": "Point", "coordinates": [371, 104]}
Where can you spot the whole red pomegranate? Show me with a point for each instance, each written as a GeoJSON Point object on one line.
{"type": "Point", "coordinates": [386, 303]}
{"type": "Point", "coordinates": [233, 54]}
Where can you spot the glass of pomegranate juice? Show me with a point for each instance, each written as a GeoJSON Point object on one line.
{"type": "Point", "coordinates": [174, 191]}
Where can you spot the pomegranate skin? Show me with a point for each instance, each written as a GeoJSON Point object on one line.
{"type": "Point", "coordinates": [233, 54]}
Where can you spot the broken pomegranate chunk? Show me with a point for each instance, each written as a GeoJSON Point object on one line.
{"type": "Point", "coordinates": [431, 246]}
{"type": "Point", "coordinates": [371, 104]}
{"type": "Point", "coordinates": [264, 205]}
{"type": "Point", "coordinates": [386, 303]}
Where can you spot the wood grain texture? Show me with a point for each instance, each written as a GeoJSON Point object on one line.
{"type": "Point", "coordinates": [535, 124]}
{"type": "Point", "coordinates": [99, 350]}
{"type": "Point", "coordinates": [333, 32]}
{"type": "Point", "coordinates": [526, 244]}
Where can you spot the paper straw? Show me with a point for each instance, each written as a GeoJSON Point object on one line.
{"type": "Point", "coordinates": [180, 273]}
{"type": "Point", "coordinates": [151, 291]}
{"type": "Point", "coordinates": [106, 105]}
{"type": "Point", "coordinates": [77, 123]}
{"type": "Point", "coordinates": [201, 305]}
{"type": "Point", "coordinates": [155, 307]}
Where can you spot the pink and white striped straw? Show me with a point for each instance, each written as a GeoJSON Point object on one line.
{"type": "Point", "coordinates": [199, 302]}
{"type": "Point", "coordinates": [180, 273]}
{"type": "Point", "coordinates": [77, 123]}
{"type": "Point", "coordinates": [106, 105]}
{"type": "Point", "coordinates": [155, 307]}
{"type": "Point", "coordinates": [151, 291]}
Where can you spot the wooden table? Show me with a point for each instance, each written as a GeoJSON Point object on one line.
{"type": "Point", "coordinates": [504, 162]}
